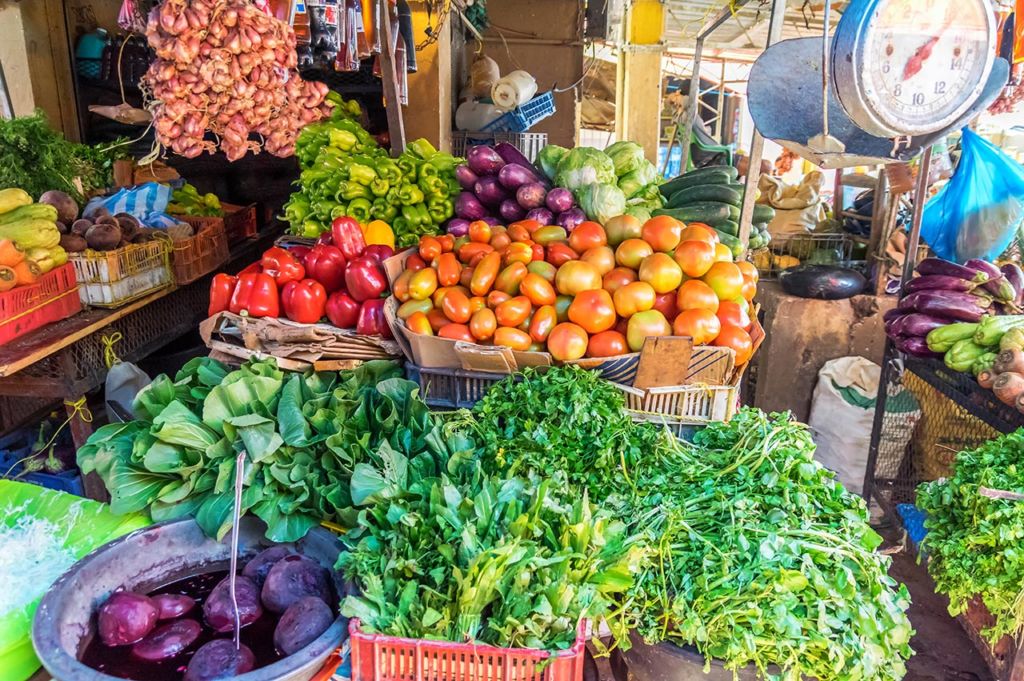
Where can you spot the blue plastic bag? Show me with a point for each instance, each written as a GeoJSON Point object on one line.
{"type": "Point", "coordinates": [147, 203]}
{"type": "Point", "coordinates": [978, 213]}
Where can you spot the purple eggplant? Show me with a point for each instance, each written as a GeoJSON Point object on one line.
{"type": "Point", "coordinates": [570, 219]}
{"type": "Point", "coordinates": [484, 161]}
{"type": "Point", "coordinates": [511, 211]}
{"type": "Point", "coordinates": [468, 207]}
{"type": "Point", "coordinates": [559, 200]}
{"type": "Point", "coordinates": [466, 177]}
{"type": "Point", "coordinates": [917, 347]}
{"type": "Point", "coordinates": [512, 155]}
{"type": "Point", "coordinates": [953, 305]}
{"type": "Point", "coordinates": [940, 282]}
{"type": "Point", "coordinates": [979, 265]}
{"type": "Point", "coordinates": [950, 269]}
{"type": "Point", "coordinates": [892, 314]}
{"type": "Point", "coordinates": [531, 195]}
{"type": "Point", "coordinates": [458, 227]}
{"type": "Point", "coordinates": [490, 192]}
{"type": "Point", "coordinates": [513, 176]}
{"type": "Point", "coordinates": [492, 221]}
{"type": "Point", "coordinates": [997, 284]}
{"type": "Point", "coordinates": [1015, 275]}
{"type": "Point", "coordinates": [917, 324]}
{"type": "Point", "coordinates": [541, 215]}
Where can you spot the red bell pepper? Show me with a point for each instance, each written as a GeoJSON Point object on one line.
{"type": "Point", "coordinates": [282, 266]}
{"type": "Point", "coordinates": [299, 252]}
{"type": "Point", "coordinates": [348, 236]}
{"type": "Point", "coordinates": [221, 288]}
{"type": "Point", "coordinates": [324, 239]}
{"type": "Point", "coordinates": [326, 264]}
{"type": "Point", "coordinates": [342, 310]}
{"type": "Point", "coordinates": [379, 252]}
{"type": "Point", "coordinates": [371, 320]}
{"type": "Point", "coordinates": [304, 301]}
{"type": "Point", "coordinates": [252, 269]}
{"type": "Point", "coordinates": [256, 296]}
{"type": "Point", "coordinates": [364, 279]}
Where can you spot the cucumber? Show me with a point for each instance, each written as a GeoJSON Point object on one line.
{"type": "Point", "coordinates": [703, 211]}
{"type": "Point", "coordinates": [731, 171]}
{"type": "Point", "coordinates": [693, 180]}
{"type": "Point", "coordinates": [730, 242]}
{"type": "Point", "coordinates": [705, 192]}
{"type": "Point", "coordinates": [728, 226]}
{"type": "Point", "coordinates": [763, 213]}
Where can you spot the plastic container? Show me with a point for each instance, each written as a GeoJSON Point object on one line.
{"type": "Point", "coordinates": [528, 143]}
{"type": "Point", "coordinates": [239, 222]}
{"type": "Point", "coordinates": [526, 116]}
{"type": "Point", "coordinates": [376, 657]}
{"type": "Point", "coordinates": [115, 278]}
{"type": "Point", "coordinates": [65, 481]}
{"type": "Point", "coordinates": [26, 308]}
{"type": "Point", "coordinates": [202, 253]}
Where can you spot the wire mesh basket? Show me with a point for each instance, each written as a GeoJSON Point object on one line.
{"type": "Point", "coordinates": [790, 251]}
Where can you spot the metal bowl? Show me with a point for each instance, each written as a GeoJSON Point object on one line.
{"type": "Point", "coordinates": [148, 559]}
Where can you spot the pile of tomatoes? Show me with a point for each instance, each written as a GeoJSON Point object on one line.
{"type": "Point", "coordinates": [599, 291]}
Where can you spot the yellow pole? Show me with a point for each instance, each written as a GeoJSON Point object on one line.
{"type": "Point", "coordinates": [638, 96]}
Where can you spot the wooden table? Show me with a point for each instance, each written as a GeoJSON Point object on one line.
{"type": "Point", "coordinates": [65, 360]}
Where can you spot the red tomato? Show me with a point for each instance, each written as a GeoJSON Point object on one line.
{"type": "Point", "coordinates": [496, 298]}
{"type": "Point", "coordinates": [544, 269]}
{"type": "Point", "coordinates": [472, 249]}
{"type": "Point", "coordinates": [739, 340]}
{"type": "Point", "coordinates": [632, 252]}
{"type": "Point", "coordinates": [500, 240]}
{"type": "Point", "coordinates": [593, 310]}
{"type": "Point", "coordinates": [512, 338]}
{"type": "Point", "coordinates": [482, 324]}
{"type": "Point", "coordinates": [722, 253]}
{"type": "Point", "coordinates": [696, 295]}
{"type": "Point", "coordinates": [518, 232]}
{"type": "Point", "coordinates": [456, 306]}
{"type": "Point", "coordinates": [733, 314]}
{"type": "Point", "coordinates": [521, 251]}
{"type": "Point", "coordinates": [477, 303]}
{"type": "Point", "coordinates": [621, 228]}
{"type": "Point", "coordinates": [484, 274]}
{"type": "Point", "coordinates": [725, 279]}
{"type": "Point", "coordinates": [567, 342]}
{"type": "Point", "coordinates": [749, 289]}
{"type": "Point", "coordinates": [637, 296]}
{"type": "Point", "coordinates": [544, 319]}
{"type": "Point", "coordinates": [559, 254]}
{"type": "Point", "coordinates": [661, 272]}
{"type": "Point", "coordinates": [698, 231]}
{"type": "Point", "coordinates": [415, 263]}
{"type": "Point", "coordinates": [513, 311]}
{"type": "Point", "coordinates": [749, 271]}
{"type": "Point", "coordinates": [401, 287]}
{"type": "Point", "coordinates": [448, 269]}
{"type": "Point", "coordinates": [531, 226]}
{"type": "Point", "coordinates": [466, 278]}
{"type": "Point", "coordinates": [537, 289]}
{"type": "Point", "coordinates": [480, 232]}
{"type": "Point", "coordinates": [430, 248]}
{"type": "Point", "coordinates": [437, 319]}
{"type": "Point", "coordinates": [601, 257]}
{"type": "Point", "coordinates": [575, 276]}
{"type": "Point", "coordinates": [617, 278]}
{"type": "Point", "coordinates": [665, 303]}
{"type": "Point", "coordinates": [607, 344]}
{"type": "Point", "coordinates": [510, 278]}
{"type": "Point", "coordinates": [700, 325]}
{"type": "Point", "coordinates": [459, 332]}
{"type": "Point", "coordinates": [587, 235]}
{"type": "Point", "coordinates": [447, 242]}
{"type": "Point", "coordinates": [622, 326]}
{"type": "Point", "coordinates": [538, 253]}
{"type": "Point", "coordinates": [418, 323]}
{"type": "Point", "coordinates": [644, 325]}
{"type": "Point", "coordinates": [663, 233]}
{"type": "Point", "coordinates": [695, 258]}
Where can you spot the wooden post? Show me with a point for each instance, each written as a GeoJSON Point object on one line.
{"type": "Point", "coordinates": [430, 88]}
{"type": "Point", "coordinates": [392, 101]}
{"type": "Point", "coordinates": [638, 97]}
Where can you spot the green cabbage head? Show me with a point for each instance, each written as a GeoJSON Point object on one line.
{"type": "Point", "coordinates": [582, 166]}
{"type": "Point", "coordinates": [635, 180]}
{"type": "Point", "coordinates": [549, 157]}
{"type": "Point", "coordinates": [627, 157]}
{"type": "Point", "coordinates": [602, 202]}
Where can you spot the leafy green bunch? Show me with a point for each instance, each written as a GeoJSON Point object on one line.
{"type": "Point", "coordinates": [311, 440]}
{"type": "Point", "coordinates": [974, 540]}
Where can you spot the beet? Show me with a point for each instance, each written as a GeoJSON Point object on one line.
{"type": "Point", "coordinates": [103, 236]}
{"type": "Point", "coordinates": [218, 608]}
{"type": "Point", "coordinates": [126, 618]}
{"type": "Point", "coordinates": [129, 225]}
{"type": "Point", "coordinates": [81, 226]}
{"type": "Point", "coordinates": [167, 641]}
{"type": "Point", "coordinates": [67, 209]}
{"type": "Point", "coordinates": [73, 243]}
{"type": "Point", "coordinates": [219, 659]}
{"type": "Point", "coordinates": [292, 578]}
{"type": "Point", "coordinates": [172, 606]}
{"type": "Point", "coordinates": [301, 624]}
{"type": "Point", "coordinates": [257, 568]}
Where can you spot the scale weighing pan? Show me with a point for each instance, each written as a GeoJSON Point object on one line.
{"type": "Point", "coordinates": [793, 67]}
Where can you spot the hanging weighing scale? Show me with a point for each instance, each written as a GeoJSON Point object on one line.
{"type": "Point", "coordinates": [896, 76]}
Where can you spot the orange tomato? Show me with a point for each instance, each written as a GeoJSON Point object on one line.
{"type": "Point", "coordinates": [593, 310]}
{"type": "Point", "coordinates": [700, 325]}
{"type": "Point", "coordinates": [559, 254]}
{"type": "Point", "coordinates": [549, 235]}
{"type": "Point", "coordinates": [458, 332]}
{"type": "Point", "coordinates": [466, 278]}
{"type": "Point", "coordinates": [661, 272]}
{"type": "Point", "coordinates": [447, 242]}
{"type": "Point", "coordinates": [663, 233]}
{"type": "Point", "coordinates": [567, 342]}
{"type": "Point", "coordinates": [617, 278]}
{"type": "Point", "coordinates": [698, 231]}
{"type": "Point", "coordinates": [749, 289]}
{"type": "Point", "coordinates": [438, 296]}
{"type": "Point", "coordinates": [587, 235]}
{"type": "Point", "coordinates": [411, 307]}
{"type": "Point", "coordinates": [695, 258]}
{"type": "Point", "coordinates": [538, 253]}
{"type": "Point", "coordinates": [575, 276]}
{"type": "Point", "coordinates": [418, 323]}
{"type": "Point", "coordinates": [477, 303]}
{"type": "Point", "coordinates": [739, 340]}
{"type": "Point", "coordinates": [456, 306]}
{"type": "Point", "coordinates": [485, 274]}
{"type": "Point", "coordinates": [519, 251]}
{"type": "Point", "coordinates": [607, 344]}
{"type": "Point", "coordinates": [518, 232]}
{"type": "Point", "coordinates": [725, 279]}
{"type": "Point", "coordinates": [472, 249]}
{"type": "Point", "coordinates": [496, 298]}
{"type": "Point", "coordinates": [482, 324]}
{"type": "Point", "coordinates": [637, 296]}
{"type": "Point", "coordinates": [562, 304]}
{"type": "Point", "coordinates": [480, 232]}
{"type": "Point", "coordinates": [696, 295]}
{"type": "Point", "coordinates": [537, 289]}
{"type": "Point", "coordinates": [525, 325]}
{"type": "Point", "coordinates": [733, 314]}
{"type": "Point", "coordinates": [415, 263]}
{"type": "Point", "coordinates": [543, 269]}
{"type": "Point", "coordinates": [423, 283]}
{"type": "Point", "coordinates": [530, 226]}
{"type": "Point", "coordinates": [448, 269]}
{"type": "Point", "coordinates": [510, 278]}
{"type": "Point", "coordinates": [430, 248]}
{"type": "Point", "coordinates": [622, 227]}
{"type": "Point", "coordinates": [437, 319]}
{"type": "Point", "coordinates": [722, 253]}
{"type": "Point", "coordinates": [512, 338]}
{"type": "Point", "coordinates": [544, 319]}
{"type": "Point", "coordinates": [513, 311]}
{"type": "Point", "coordinates": [631, 253]}
{"type": "Point", "coordinates": [644, 325]}
{"type": "Point", "coordinates": [665, 303]}
{"type": "Point", "coordinates": [401, 286]}
{"type": "Point", "coordinates": [500, 240]}
{"type": "Point", "coordinates": [749, 270]}
{"type": "Point", "coordinates": [601, 257]}
{"type": "Point", "coordinates": [475, 260]}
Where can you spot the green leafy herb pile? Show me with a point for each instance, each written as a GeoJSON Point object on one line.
{"type": "Point", "coordinates": [314, 441]}
{"type": "Point", "coordinates": [974, 541]}
{"type": "Point", "coordinates": [36, 158]}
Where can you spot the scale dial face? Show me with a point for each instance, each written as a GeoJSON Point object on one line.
{"type": "Point", "coordinates": [918, 65]}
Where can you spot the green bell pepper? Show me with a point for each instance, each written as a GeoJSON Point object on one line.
{"type": "Point", "coordinates": [409, 165]}
{"type": "Point", "coordinates": [343, 139]}
{"type": "Point", "coordinates": [311, 229]}
{"type": "Point", "coordinates": [383, 210]}
{"type": "Point", "coordinates": [422, 148]}
{"type": "Point", "coordinates": [388, 170]}
{"type": "Point", "coordinates": [350, 191]}
{"type": "Point", "coordinates": [361, 174]}
{"type": "Point", "coordinates": [439, 210]}
{"type": "Point", "coordinates": [452, 186]}
{"type": "Point", "coordinates": [359, 210]}
{"type": "Point", "coordinates": [416, 214]}
{"type": "Point", "coordinates": [392, 196]}
{"type": "Point", "coordinates": [297, 209]}
{"type": "Point", "coordinates": [432, 186]}
{"type": "Point", "coordinates": [401, 227]}
{"type": "Point", "coordinates": [338, 211]}
{"type": "Point", "coordinates": [445, 163]}
{"type": "Point", "coordinates": [379, 187]}
{"type": "Point", "coordinates": [410, 194]}
{"type": "Point", "coordinates": [428, 170]}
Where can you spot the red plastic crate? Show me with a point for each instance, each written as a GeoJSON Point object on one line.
{"type": "Point", "coordinates": [376, 657]}
{"type": "Point", "coordinates": [26, 308]}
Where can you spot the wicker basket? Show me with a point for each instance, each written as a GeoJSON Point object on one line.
{"type": "Point", "coordinates": [240, 222]}
{"type": "Point", "coordinates": [202, 253]}
{"type": "Point", "coordinates": [115, 278]}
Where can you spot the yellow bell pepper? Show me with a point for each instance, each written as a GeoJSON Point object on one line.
{"type": "Point", "coordinates": [380, 233]}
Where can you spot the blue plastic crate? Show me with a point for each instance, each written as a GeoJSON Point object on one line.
{"type": "Point", "coordinates": [526, 116]}
{"type": "Point", "coordinates": [913, 522]}
{"type": "Point", "coordinates": [65, 481]}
